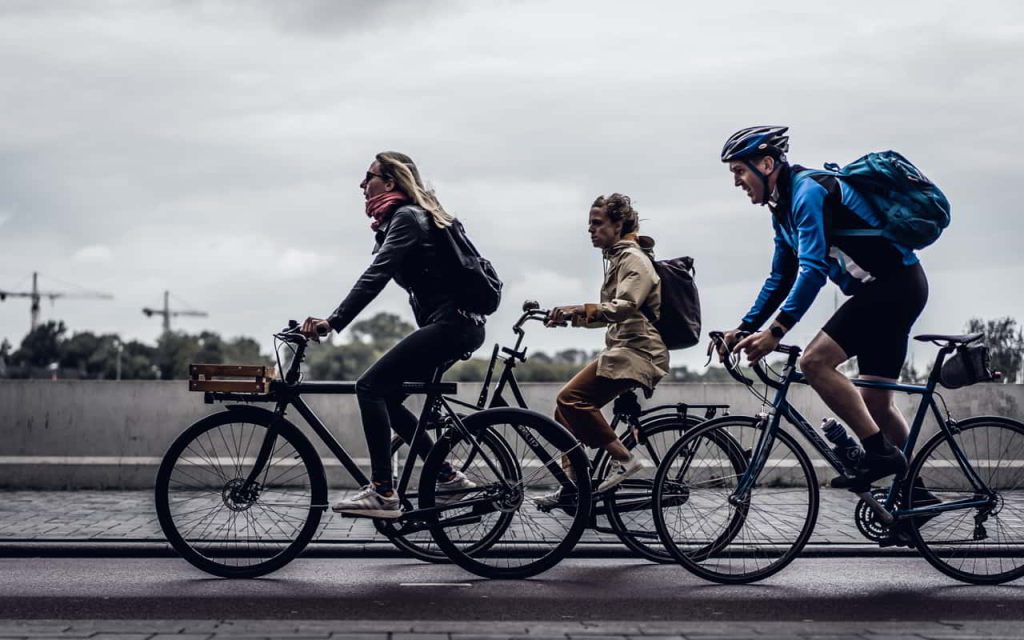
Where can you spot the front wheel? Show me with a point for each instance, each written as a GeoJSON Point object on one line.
{"type": "Point", "coordinates": [983, 542]}
{"type": "Point", "coordinates": [518, 520]}
{"type": "Point", "coordinates": [240, 493]}
{"type": "Point", "coordinates": [717, 534]}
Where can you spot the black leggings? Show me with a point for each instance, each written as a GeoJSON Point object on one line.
{"type": "Point", "coordinates": [414, 359]}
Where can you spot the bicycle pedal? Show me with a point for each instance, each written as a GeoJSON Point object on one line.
{"type": "Point", "coordinates": [365, 516]}
{"type": "Point", "coordinates": [898, 539]}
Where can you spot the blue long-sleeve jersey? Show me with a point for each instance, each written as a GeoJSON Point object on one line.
{"type": "Point", "coordinates": [813, 211]}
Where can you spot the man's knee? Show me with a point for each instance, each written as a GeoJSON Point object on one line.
{"type": "Point", "coordinates": [813, 363]}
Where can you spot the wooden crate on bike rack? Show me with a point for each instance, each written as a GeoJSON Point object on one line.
{"type": "Point", "coordinates": [229, 378]}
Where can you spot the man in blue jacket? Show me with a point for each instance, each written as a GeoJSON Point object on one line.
{"type": "Point", "coordinates": [812, 215]}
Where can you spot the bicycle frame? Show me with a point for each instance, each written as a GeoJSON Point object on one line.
{"type": "Point", "coordinates": [626, 410]}
{"type": "Point", "coordinates": [286, 394]}
{"type": "Point", "coordinates": [780, 407]}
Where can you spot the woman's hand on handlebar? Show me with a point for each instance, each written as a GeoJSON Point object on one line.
{"type": "Point", "coordinates": [561, 316]}
{"type": "Point", "coordinates": [757, 345]}
{"type": "Point", "coordinates": [315, 328]}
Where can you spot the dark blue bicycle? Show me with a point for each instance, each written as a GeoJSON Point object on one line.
{"type": "Point", "coordinates": [960, 504]}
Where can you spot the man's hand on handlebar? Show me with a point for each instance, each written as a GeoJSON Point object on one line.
{"type": "Point", "coordinates": [315, 328]}
{"type": "Point", "coordinates": [562, 316]}
{"type": "Point", "coordinates": [724, 347]}
{"type": "Point", "coordinates": [757, 345]}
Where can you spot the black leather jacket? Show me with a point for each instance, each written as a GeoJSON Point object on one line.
{"type": "Point", "coordinates": [411, 250]}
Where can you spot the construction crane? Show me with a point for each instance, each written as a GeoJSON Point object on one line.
{"type": "Point", "coordinates": [35, 295]}
{"type": "Point", "coordinates": [167, 313]}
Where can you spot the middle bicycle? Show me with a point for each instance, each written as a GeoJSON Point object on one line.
{"type": "Point", "coordinates": [624, 511]}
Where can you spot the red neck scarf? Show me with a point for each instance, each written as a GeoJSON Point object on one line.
{"type": "Point", "coordinates": [381, 206]}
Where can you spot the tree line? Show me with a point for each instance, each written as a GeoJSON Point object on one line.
{"type": "Point", "coordinates": [51, 351]}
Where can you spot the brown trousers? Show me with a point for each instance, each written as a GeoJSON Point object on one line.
{"type": "Point", "coordinates": [578, 406]}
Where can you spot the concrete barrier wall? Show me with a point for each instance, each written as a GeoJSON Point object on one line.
{"type": "Point", "coordinates": [104, 434]}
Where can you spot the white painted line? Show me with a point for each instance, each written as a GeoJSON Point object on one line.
{"type": "Point", "coordinates": [435, 584]}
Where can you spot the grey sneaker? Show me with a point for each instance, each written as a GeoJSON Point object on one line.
{"type": "Point", "coordinates": [453, 490]}
{"type": "Point", "coordinates": [619, 471]}
{"type": "Point", "coordinates": [370, 504]}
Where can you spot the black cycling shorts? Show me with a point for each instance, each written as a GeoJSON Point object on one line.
{"type": "Point", "coordinates": [875, 323]}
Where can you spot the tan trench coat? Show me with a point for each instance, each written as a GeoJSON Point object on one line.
{"type": "Point", "coordinates": [634, 349]}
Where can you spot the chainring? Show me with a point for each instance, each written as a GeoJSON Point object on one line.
{"type": "Point", "coordinates": [868, 523]}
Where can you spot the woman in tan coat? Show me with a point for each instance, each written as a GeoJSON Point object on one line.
{"type": "Point", "coordinates": [634, 354]}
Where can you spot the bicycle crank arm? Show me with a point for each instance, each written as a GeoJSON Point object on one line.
{"type": "Point", "coordinates": [882, 513]}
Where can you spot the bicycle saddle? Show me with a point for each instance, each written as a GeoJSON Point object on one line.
{"type": "Point", "coordinates": [966, 338]}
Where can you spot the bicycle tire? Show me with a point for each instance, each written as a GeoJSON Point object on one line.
{"type": "Point", "coordinates": [629, 508]}
{"type": "Point", "coordinates": [953, 541]}
{"type": "Point", "coordinates": [204, 471]}
{"type": "Point", "coordinates": [736, 550]}
{"type": "Point", "coordinates": [538, 446]}
{"type": "Point", "coordinates": [419, 542]}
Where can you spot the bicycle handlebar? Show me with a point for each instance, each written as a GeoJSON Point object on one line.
{"type": "Point", "coordinates": [292, 333]}
{"type": "Point", "coordinates": [531, 311]}
{"type": "Point", "coordinates": [718, 340]}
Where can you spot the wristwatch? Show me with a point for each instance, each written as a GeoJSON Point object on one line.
{"type": "Point", "coordinates": [777, 331]}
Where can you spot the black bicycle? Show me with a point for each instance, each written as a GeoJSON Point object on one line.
{"type": "Point", "coordinates": [241, 492]}
{"type": "Point", "coordinates": [627, 509]}
{"type": "Point", "coordinates": [961, 503]}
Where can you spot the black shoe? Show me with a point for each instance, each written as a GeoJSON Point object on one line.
{"type": "Point", "coordinates": [922, 497]}
{"type": "Point", "coordinates": [871, 467]}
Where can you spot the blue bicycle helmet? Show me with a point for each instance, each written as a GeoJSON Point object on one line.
{"type": "Point", "coordinates": [757, 141]}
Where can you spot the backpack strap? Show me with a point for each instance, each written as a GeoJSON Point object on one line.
{"type": "Point", "coordinates": [830, 179]}
{"type": "Point", "coordinates": [644, 309]}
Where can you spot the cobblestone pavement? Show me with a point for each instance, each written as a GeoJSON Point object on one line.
{"type": "Point", "coordinates": [130, 517]}
{"type": "Point", "coordinates": [488, 630]}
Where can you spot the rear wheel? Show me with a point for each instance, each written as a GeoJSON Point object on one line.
{"type": "Point", "coordinates": [628, 508]}
{"type": "Point", "coordinates": [981, 544]}
{"type": "Point", "coordinates": [224, 515]}
{"type": "Point", "coordinates": [499, 530]}
{"type": "Point", "coordinates": [413, 536]}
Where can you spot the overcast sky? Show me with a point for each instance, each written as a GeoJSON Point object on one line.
{"type": "Point", "coordinates": [215, 148]}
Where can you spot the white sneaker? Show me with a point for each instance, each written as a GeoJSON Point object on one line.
{"type": "Point", "coordinates": [619, 471]}
{"type": "Point", "coordinates": [459, 483]}
{"type": "Point", "coordinates": [370, 504]}
{"type": "Point", "coordinates": [548, 500]}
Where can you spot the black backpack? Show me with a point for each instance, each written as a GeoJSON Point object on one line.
{"type": "Point", "coordinates": [478, 287]}
{"type": "Point", "coordinates": [679, 324]}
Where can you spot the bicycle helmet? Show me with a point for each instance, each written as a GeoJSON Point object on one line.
{"type": "Point", "coordinates": [757, 141]}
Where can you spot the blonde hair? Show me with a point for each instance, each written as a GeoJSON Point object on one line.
{"type": "Point", "coordinates": [403, 171]}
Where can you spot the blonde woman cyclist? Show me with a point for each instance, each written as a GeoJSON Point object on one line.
{"type": "Point", "coordinates": [408, 221]}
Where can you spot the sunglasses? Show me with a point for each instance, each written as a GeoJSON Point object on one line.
{"type": "Point", "coordinates": [371, 175]}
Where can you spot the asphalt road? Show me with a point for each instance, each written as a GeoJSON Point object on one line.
{"type": "Point", "coordinates": [845, 589]}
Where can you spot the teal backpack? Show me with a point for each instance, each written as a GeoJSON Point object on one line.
{"type": "Point", "coordinates": [913, 209]}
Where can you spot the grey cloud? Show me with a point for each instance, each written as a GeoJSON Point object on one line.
{"type": "Point", "coordinates": [324, 18]}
